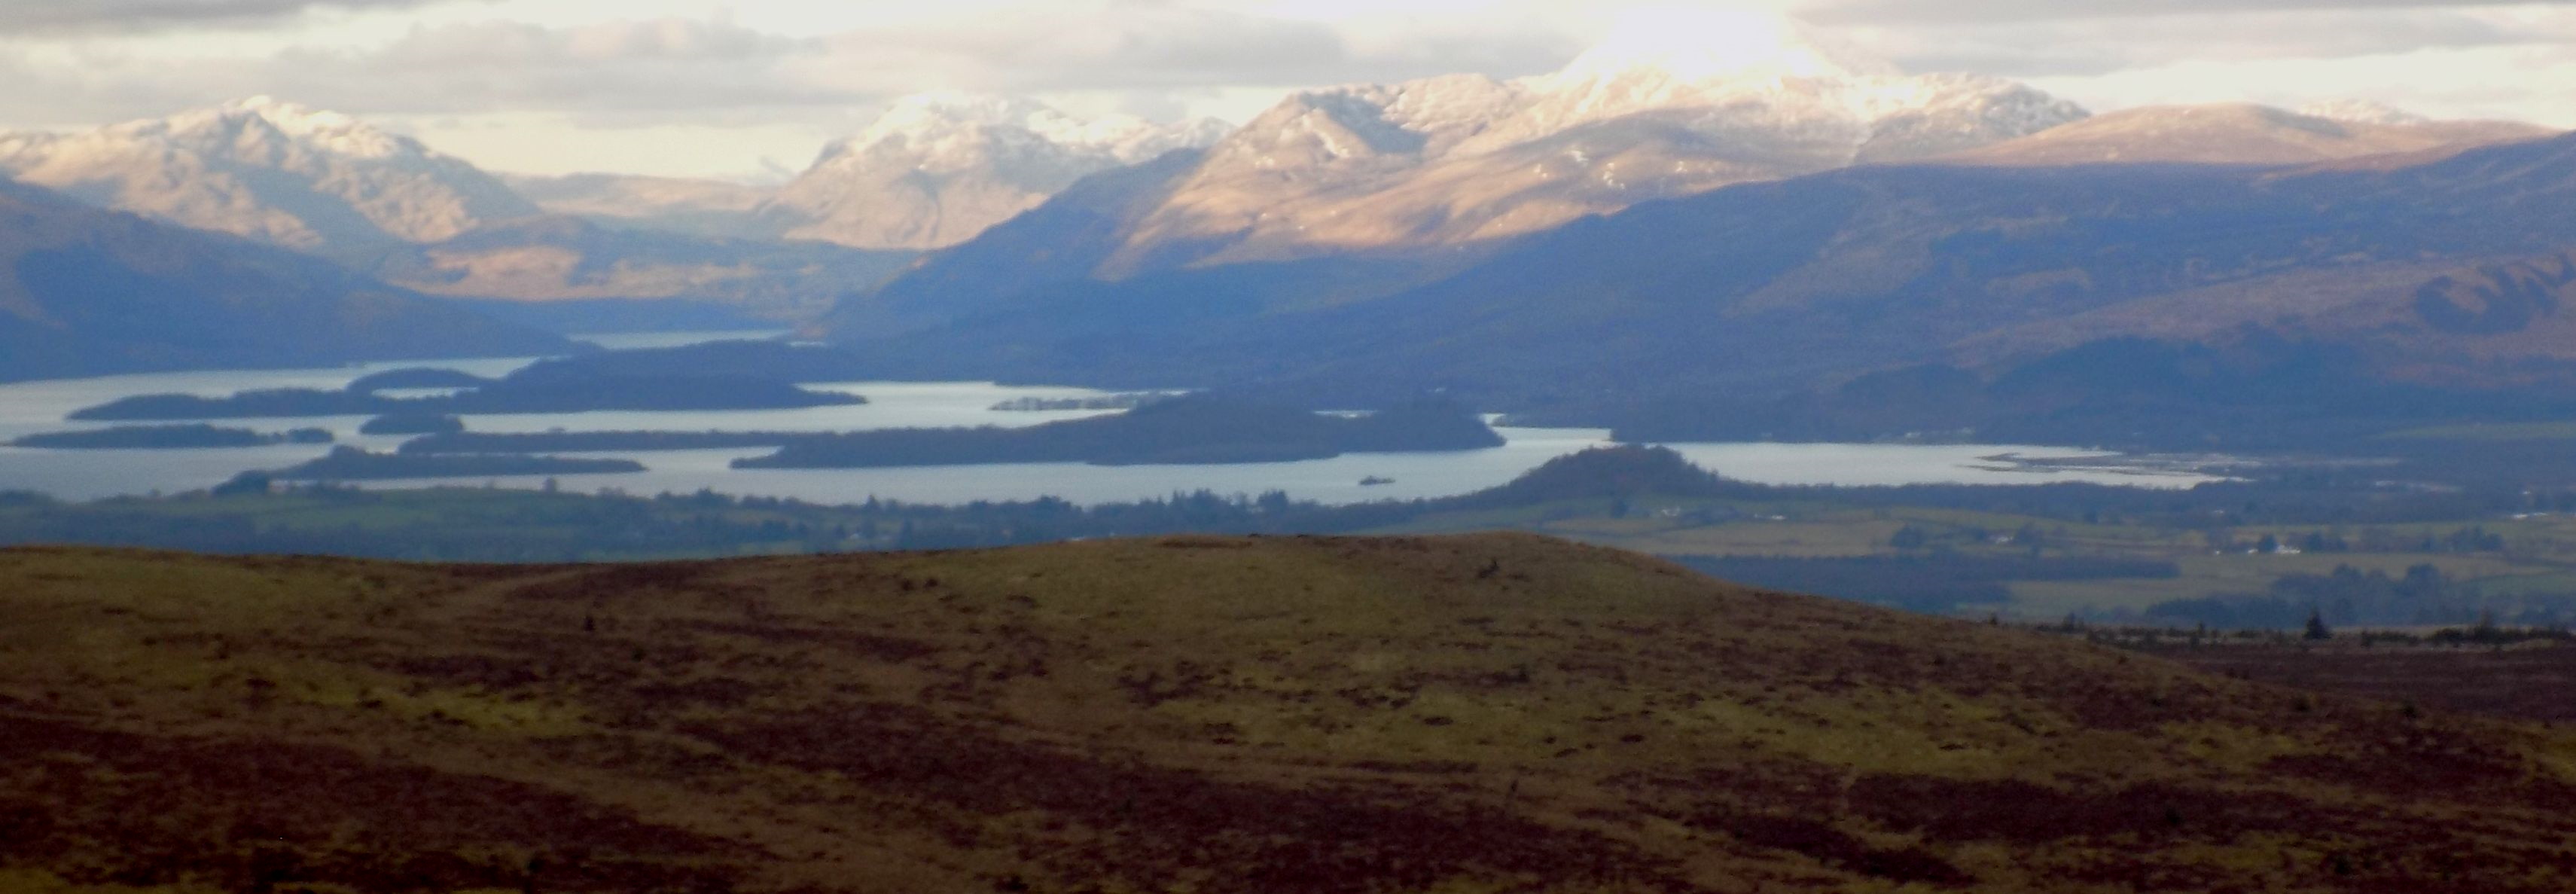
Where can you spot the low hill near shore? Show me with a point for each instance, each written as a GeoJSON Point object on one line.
{"type": "Point", "coordinates": [1483, 713]}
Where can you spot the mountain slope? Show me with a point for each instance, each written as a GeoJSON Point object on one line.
{"type": "Point", "coordinates": [272, 171]}
{"type": "Point", "coordinates": [937, 169]}
{"type": "Point", "coordinates": [1788, 286]}
{"type": "Point", "coordinates": [574, 259]}
{"type": "Point", "coordinates": [2240, 134]}
{"type": "Point", "coordinates": [86, 292]}
{"type": "Point", "coordinates": [1281, 715]}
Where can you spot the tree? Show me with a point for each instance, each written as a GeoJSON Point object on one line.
{"type": "Point", "coordinates": [2317, 629]}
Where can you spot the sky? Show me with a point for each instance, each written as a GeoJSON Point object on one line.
{"type": "Point", "coordinates": [751, 89]}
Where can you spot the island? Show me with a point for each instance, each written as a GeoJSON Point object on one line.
{"type": "Point", "coordinates": [169, 437]}
{"type": "Point", "coordinates": [599, 441]}
{"type": "Point", "coordinates": [353, 464]}
{"type": "Point", "coordinates": [413, 424]}
{"type": "Point", "coordinates": [400, 379]}
{"type": "Point", "coordinates": [264, 403]}
{"type": "Point", "coordinates": [535, 394]}
{"type": "Point", "coordinates": [1128, 401]}
{"type": "Point", "coordinates": [773, 360]}
{"type": "Point", "coordinates": [1183, 431]}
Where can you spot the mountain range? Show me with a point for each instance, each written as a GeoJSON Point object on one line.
{"type": "Point", "coordinates": [1466, 158]}
{"type": "Point", "coordinates": [938, 169]}
{"type": "Point", "coordinates": [1771, 216]}
{"type": "Point", "coordinates": [2435, 266]}
{"type": "Point", "coordinates": [271, 171]}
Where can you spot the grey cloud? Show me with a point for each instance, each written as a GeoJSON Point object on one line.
{"type": "Point", "coordinates": [715, 71]}
{"type": "Point", "coordinates": [93, 16]}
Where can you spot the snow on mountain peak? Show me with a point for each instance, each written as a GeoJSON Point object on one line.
{"type": "Point", "coordinates": [938, 168]}
{"type": "Point", "coordinates": [952, 118]}
{"type": "Point", "coordinates": [270, 170]}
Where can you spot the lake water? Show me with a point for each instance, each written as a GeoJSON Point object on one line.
{"type": "Point", "coordinates": [32, 407]}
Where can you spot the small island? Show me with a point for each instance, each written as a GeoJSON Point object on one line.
{"type": "Point", "coordinates": [264, 403]}
{"type": "Point", "coordinates": [169, 437]}
{"type": "Point", "coordinates": [1376, 481]}
{"type": "Point", "coordinates": [403, 379]}
{"type": "Point", "coordinates": [413, 424]}
{"type": "Point", "coordinates": [353, 464]}
{"type": "Point", "coordinates": [1128, 401]}
{"type": "Point", "coordinates": [1182, 431]}
{"type": "Point", "coordinates": [599, 441]}
{"type": "Point", "coordinates": [514, 395]}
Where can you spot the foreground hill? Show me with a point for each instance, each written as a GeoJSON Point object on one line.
{"type": "Point", "coordinates": [87, 292]}
{"type": "Point", "coordinates": [1327, 715]}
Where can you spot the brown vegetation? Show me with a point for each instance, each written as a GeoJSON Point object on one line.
{"type": "Point", "coordinates": [1493, 713]}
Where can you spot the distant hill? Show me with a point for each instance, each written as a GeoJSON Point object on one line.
{"type": "Point", "coordinates": [89, 292]}
{"type": "Point", "coordinates": [570, 259]}
{"type": "Point", "coordinates": [669, 204]}
{"type": "Point", "coordinates": [2241, 134]}
{"type": "Point", "coordinates": [1280, 715]}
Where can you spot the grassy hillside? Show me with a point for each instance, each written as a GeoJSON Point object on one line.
{"type": "Point", "coordinates": [1491, 713]}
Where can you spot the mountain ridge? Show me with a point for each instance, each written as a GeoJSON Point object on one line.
{"type": "Point", "coordinates": [85, 291]}
{"type": "Point", "coordinates": [272, 171]}
{"type": "Point", "coordinates": [937, 169]}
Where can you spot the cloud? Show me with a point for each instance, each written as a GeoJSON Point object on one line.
{"type": "Point", "coordinates": [1914, 12]}
{"type": "Point", "coordinates": [2089, 47]}
{"type": "Point", "coordinates": [127, 16]}
{"type": "Point", "coordinates": [677, 68]}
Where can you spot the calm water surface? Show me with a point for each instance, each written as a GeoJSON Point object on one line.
{"type": "Point", "coordinates": [31, 407]}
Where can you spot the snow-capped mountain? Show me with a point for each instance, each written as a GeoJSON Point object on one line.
{"type": "Point", "coordinates": [937, 169]}
{"type": "Point", "coordinates": [272, 171]}
{"type": "Point", "coordinates": [1649, 115]}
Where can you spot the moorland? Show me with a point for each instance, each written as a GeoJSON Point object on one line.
{"type": "Point", "coordinates": [1244, 714]}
